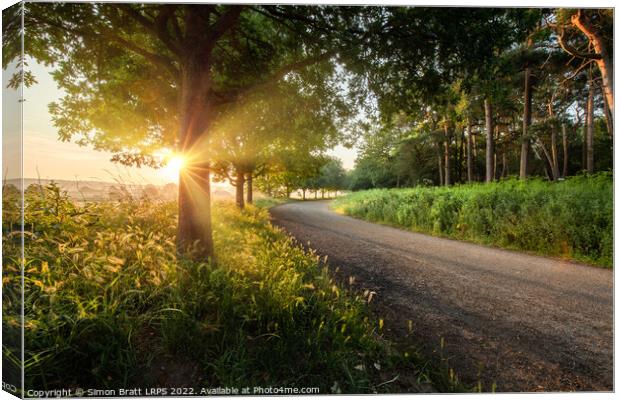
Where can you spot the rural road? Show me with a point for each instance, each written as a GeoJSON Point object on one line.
{"type": "Point", "coordinates": [521, 322]}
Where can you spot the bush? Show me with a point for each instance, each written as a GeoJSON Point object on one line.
{"type": "Point", "coordinates": [107, 297]}
{"type": "Point", "coordinates": [571, 219]}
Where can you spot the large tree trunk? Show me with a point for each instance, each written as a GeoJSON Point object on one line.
{"type": "Point", "coordinates": [447, 178]}
{"type": "Point", "coordinates": [527, 121]}
{"type": "Point", "coordinates": [488, 112]}
{"type": "Point", "coordinates": [195, 113]}
{"type": "Point", "coordinates": [250, 194]}
{"type": "Point", "coordinates": [565, 151]}
{"type": "Point", "coordinates": [605, 60]}
{"type": "Point", "coordinates": [590, 129]}
{"type": "Point", "coordinates": [470, 164]}
{"type": "Point", "coordinates": [239, 184]}
{"type": "Point", "coordinates": [194, 222]}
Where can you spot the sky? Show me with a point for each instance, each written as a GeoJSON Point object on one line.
{"type": "Point", "coordinates": [46, 157]}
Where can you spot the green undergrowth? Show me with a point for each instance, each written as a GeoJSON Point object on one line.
{"type": "Point", "coordinates": [571, 219]}
{"type": "Point", "coordinates": [108, 304]}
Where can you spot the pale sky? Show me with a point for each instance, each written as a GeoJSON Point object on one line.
{"type": "Point", "coordinates": [46, 157]}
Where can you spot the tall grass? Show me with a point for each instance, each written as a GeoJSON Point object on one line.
{"type": "Point", "coordinates": [571, 219]}
{"type": "Point", "coordinates": [109, 304]}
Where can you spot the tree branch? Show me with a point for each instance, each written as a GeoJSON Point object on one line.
{"type": "Point", "coordinates": [223, 24]}
{"type": "Point", "coordinates": [572, 51]}
{"type": "Point", "coordinates": [158, 26]}
{"type": "Point", "coordinates": [107, 33]}
{"type": "Point", "coordinates": [157, 59]}
{"type": "Point", "coordinates": [231, 96]}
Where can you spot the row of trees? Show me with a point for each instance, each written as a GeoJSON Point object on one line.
{"type": "Point", "coordinates": [316, 175]}
{"type": "Point", "coordinates": [261, 91]}
{"type": "Point", "coordinates": [537, 101]}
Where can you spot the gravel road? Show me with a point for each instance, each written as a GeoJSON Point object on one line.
{"type": "Point", "coordinates": [521, 322]}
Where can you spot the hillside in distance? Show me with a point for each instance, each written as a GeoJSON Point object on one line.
{"type": "Point", "coordinates": [84, 191]}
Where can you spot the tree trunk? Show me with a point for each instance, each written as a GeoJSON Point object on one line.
{"type": "Point", "coordinates": [590, 128]}
{"type": "Point", "coordinates": [461, 156]}
{"type": "Point", "coordinates": [316, 194]}
{"type": "Point", "coordinates": [250, 194]}
{"type": "Point", "coordinates": [470, 166]}
{"type": "Point", "coordinates": [555, 168]}
{"type": "Point", "coordinates": [584, 134]}
{"type": "Point", "coordinates": [268, 189]}
{"type": "Point", "coordinates": [551, 173]}
{"type": "Point", "coordinates": [303, 191]}
{"type": "Point", "coordinates": [527, 121]}
{"type": "Point", "coordinates": [605, 63]}
{"type": "Point", "coordinates": [447, 180]}
{"type": "Point", "coordinates": [608, 119]}
{"type": "Point", "coordinates": [564, 151]}
{"type": "Point", "coordinates": [195, 115]}
{"type": "Point", "coordinates": [490, 173]}
{"type": "Point", "coordinates": [475, 146]}
{"type": "Point", "coordinates": [194, 219]}
{"type": "Point", "coordinates": [239, 184]}
{"type": "Point", "coordinates": [440, 164]}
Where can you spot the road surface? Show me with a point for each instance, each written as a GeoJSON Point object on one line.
{"type": "Point", "coordinates": [521, 322]}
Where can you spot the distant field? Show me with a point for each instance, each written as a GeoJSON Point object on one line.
{"type": "Point", "coordinates": [98, 191]}
{"type": "Point", "coordinates": [571, 219]}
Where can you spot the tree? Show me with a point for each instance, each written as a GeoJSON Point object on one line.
{"type": "Point", "coordinates": [249, 137]}
{"type": "Point", "coordinates": [184, 60]}
{"type": "Point", "coordinates": [597, 26]}
{"type": "Point", "coordinates": [424, 51]}
{"type": "Point", "coordinates": [332, 175]}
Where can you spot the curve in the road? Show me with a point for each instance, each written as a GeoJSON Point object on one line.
{"type": "Point", "coordinates": [521, 322]}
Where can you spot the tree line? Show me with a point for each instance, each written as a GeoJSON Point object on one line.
{"type": "Point", "coordinates": [258, 93]}
{"type": "Point", "coordinates": [537, 102]}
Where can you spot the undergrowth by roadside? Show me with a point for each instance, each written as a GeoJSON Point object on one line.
{"type": "Point", "coordinates": [571, 219]}
{"type": "Point", "coordinates": [109, 304]}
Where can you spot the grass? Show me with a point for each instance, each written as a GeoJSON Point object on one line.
{"type": "Point", "coordinates": [572, 219]}
{"type": "Point", "coordinates": [268, 202]}
{"type": "Point", "coordinates": [109, 304]}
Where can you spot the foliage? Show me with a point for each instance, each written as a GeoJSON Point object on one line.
{"type": "Point", "coordinates": [304, 173]}
{"type": "Point", "coordinates": [107, 297]}
{"type": "Point", "coordinates": [571, 219]}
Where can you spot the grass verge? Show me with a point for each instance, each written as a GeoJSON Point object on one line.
{"type": "Point", "coordinates": [572, 219]}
